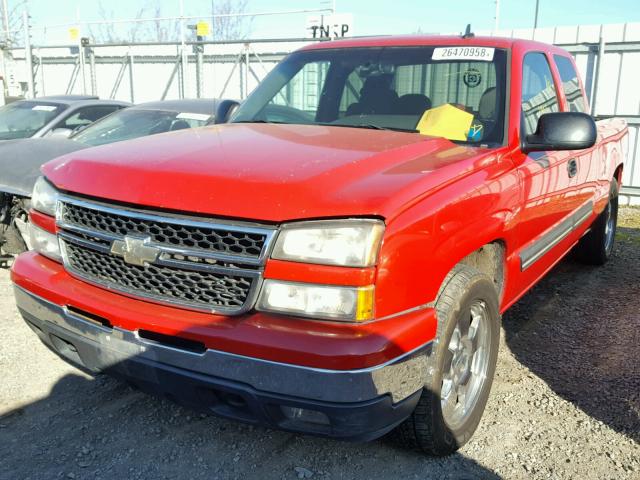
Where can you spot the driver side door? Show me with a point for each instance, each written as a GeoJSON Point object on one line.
{"type": "Point", "coordinates": [547, 178]}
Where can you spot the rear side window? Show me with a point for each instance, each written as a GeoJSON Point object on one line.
{"type": "Point", "coordinates": [570, 84]}
{"type": "Point", "coordinates": [538, 91]}
{"type": "Point", "coordinates": [87, 115]}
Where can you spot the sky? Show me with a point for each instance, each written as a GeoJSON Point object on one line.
{"type": "Point", "coordinates": [370, 17]}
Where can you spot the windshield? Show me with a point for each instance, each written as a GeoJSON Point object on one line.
{"type": "Point", "coordinates": [136, 122]}
{"type": "Point", "coordinates": [23, 119]}
{"type": "Point", "coordinates": [452, 92]}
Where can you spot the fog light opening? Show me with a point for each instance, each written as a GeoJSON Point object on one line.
{"type": "Point", "coordinates": [305, 415]}
{"type": "Point", "coordinates": [235, 401]}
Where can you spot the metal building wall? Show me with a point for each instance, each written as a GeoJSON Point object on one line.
{"type": "Point", "coordinates": [613, 89]}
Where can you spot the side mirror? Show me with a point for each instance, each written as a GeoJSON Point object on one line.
{"type": "Point", "coordinates": [224, 110]}
{"type": "Point", "coordinates": [61, 133]}
{"type": "Point", "coordinates": [562, 131]}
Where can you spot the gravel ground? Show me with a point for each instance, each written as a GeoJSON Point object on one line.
{"type": "Point", "coordinates": [565, 403]}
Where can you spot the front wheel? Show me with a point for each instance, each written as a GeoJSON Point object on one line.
{"type": "Point", "coordinates": [461, 365]}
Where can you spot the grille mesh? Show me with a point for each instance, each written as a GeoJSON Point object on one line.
{"type": "Point", "coordinates": [186, 287]}
{"type": "Point", "coordinates": [175, 235]}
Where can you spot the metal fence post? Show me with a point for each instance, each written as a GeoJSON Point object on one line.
{"type": "Point", "coordinates": [82, 61]}
{"type": "Point", "coordinates": [241, 75]}
{"type": "Point", "coordinates": [596, 81]}
{"type": "Point", "coordinates": [28, 56]}
{"type": "Point", "coordinates": [41, 91]}
{"type": "Point", "coordinates": [199, 66]}
{"type": "Point", "coordinates": [246, 71]}
{"type": "Point", "coordinates": [183, 51]}
{"type": "Point", "coordinates": [183, 73]}
{"type": "Point", "coordinates": [92, 69]}
{"type": "Point", "coordinates": [131, 87]}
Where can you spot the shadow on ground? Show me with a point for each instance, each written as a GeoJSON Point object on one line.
{"type": "Point", "coordinates": [579, 331]}
{"type": "Point", "coordinates": [102, 428]}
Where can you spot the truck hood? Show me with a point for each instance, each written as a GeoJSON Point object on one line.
{"type": "Point", "coordinates": [20, 161]}
{"type": "Point", "coordinates": [268, 172]}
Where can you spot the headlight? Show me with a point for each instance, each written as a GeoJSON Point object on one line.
{"type": "Point", "coordinates": [44, 197]}
{"type": "Point", "coordinates": [348, 243]}
{"type": "Point", "coordinates": [352, 304]}
{"type": "Point", "coordinates": [45, 243]}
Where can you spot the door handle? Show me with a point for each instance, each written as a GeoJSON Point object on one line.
{"type": "Point", "coordinates": [572, 168]}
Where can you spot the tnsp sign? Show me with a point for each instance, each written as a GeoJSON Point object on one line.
{"type": "Point", "coordinates": [338, 25]}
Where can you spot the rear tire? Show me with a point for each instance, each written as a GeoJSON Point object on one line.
{"type": "Point", "coordinates": [596, 247]}
{"type": "Point", "coordinates": [461, 366]}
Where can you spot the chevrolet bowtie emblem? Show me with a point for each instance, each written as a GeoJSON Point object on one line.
{"type": "Point", "coordinates": [135, 251]}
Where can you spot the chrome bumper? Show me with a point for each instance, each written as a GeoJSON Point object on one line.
{"type": "Point", "coordinates": [99, 348]}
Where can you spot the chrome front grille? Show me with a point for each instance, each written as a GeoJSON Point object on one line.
{"type": "Point", "coordinates": [177, 260]}
{"type": "Point", "coordinates": [189, 236]}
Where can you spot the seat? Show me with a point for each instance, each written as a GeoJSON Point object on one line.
{"type": "Point", "coordinates": [487, 105]}
{"type": "Point", "coordinates": [413, 104]}
{"type": "Point", "coordinates": [487, 111]}
{"type": "Point", "coordinates": [376, 97]}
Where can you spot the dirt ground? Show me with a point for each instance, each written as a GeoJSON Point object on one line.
{"type": "Point", "coordinates": [565, 403]}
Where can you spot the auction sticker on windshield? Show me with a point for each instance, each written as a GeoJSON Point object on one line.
{"type": "Point", "coordinates": [483, 54]}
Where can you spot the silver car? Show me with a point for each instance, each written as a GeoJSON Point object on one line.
{"type": "Point", "coordinates": [20, 160]}
{"type": "Point", "coordinates": [58, 115]}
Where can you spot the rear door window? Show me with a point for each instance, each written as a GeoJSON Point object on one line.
{"type": "Point", "coordinates": [87, 115]}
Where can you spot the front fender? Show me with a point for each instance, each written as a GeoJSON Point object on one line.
{"type": "Point", "coordinates": [424, 243]}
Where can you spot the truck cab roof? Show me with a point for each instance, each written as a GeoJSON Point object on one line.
{"type": "Point", "coordinates": [435, 40]}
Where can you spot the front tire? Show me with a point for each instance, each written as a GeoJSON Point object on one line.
{"type": "Point", "coordinates": [461, 366]}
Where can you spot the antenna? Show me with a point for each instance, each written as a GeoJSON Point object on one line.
{"type": "Point", "coordinates": [467, 32]}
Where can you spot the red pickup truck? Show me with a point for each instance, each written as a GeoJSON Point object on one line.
{"type": "Point", "coordinates": [335, 260]}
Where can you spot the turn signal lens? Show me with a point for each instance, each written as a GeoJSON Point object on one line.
{"type": "Point", "coordinates": [349, 304]}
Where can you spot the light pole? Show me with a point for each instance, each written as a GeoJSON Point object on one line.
{"type": "Point", "coordinates": [5, 21]}
{"type": "Point", "coordinates": [497, 17]}
{"type": "Point", "coordinates": [27, 54]}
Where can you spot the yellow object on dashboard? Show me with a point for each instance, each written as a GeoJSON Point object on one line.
{"type": "Point", "coordinates": [445, 121]}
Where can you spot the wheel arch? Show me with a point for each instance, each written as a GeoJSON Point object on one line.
{"type": "Point", "coordinates": [617, 174]}
{"type": "Point", "coordinates": [489, 259]}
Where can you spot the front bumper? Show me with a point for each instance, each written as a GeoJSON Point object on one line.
{"type": "Point", "coordinates": [352, 404]}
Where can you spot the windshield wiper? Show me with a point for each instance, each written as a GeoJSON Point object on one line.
{"type": "Point", "coordinates": [258, 121]}
{"type": "Point", "coordinates": [371, 126]}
